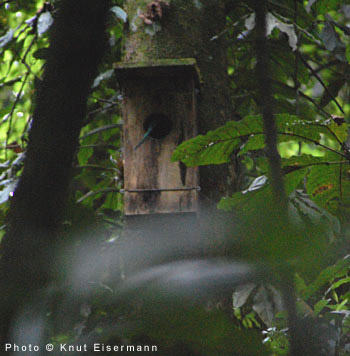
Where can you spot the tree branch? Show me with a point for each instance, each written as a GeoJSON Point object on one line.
{"type": "Point", "coordinates": [307, 65]}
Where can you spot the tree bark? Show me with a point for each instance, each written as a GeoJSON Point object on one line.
{"type": "Point", "coordinates": [37, 210]}
{"type": "Point", "coordinates": [186, 30]}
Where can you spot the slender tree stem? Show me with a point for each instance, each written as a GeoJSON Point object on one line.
{"type": "Point", "coordinates": [266, 104]}
{"type": "Point", "coordinates": [279, 209]}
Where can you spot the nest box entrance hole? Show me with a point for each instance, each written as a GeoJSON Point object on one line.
{"type": "Point", "coordinates": [158, 124]}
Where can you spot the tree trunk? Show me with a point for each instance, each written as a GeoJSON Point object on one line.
{"type": "Point", "coordinates": [186, 29]}
{"type": "Point", "coordinates": [38, 207]}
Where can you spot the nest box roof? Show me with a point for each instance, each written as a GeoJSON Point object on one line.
{"type": "Point", "coordinates": [159, 68]}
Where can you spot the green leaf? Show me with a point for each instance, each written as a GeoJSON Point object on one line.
{"type": "Point", "coordinates": [119, 13]}
{"type": "Point", "coordinates": [312, 214]}
{"type": "Point", "coordinates": [341, 268]}
{"type": "Point", "coordinates": [214, 148]}
{"type": "Point", "coordinates": [103, 76]}
{"type": "Point", "coordinates": [241, 294]}
{"type": "Point", "coordinates": [4, 40]}
{"type": "Point", "coordinates": [340, 130]}
{"type": "Point", "coordinates": [328, 186]}
{"type": "Point", "coordinates": [291, 127]}
{"type": "Point", "coordinates": [325, 6]}
{"type": "Point", "coordinates": [257, 183]}
{"type": "Point", "coordinates": [332, 41]}
{"type": "Point", "coordinates": [309, 4]}
{"type": "Point", "coordinates": [41, 53]}
{"type": "Point", "coordinates": [273, 22]}
{"type": "Point", "coordinates": [293, 179]}
{"type": "Point", "coordinates": [255, 142]}
{"type": "Point", "coordinates": [217, 146]}
{"type": "Point", "coordinates": [9, 187]}
{"type": "Point", "coordinates": [303, 161]}
{"type": "Point", "coordinates": [251, 199]}
{"type": "Point", "coordinates": [246, 203]}
{"type": "Point", "coordinates": [341, 305]}
{"type": "Point", "coordinates": [299, 283]}
{"type": "Point", "coordinates": [338, 283]}
{"type": "Point", "coordinates": [319, 306]}
{"type": "Point", "coordinates": [329, 36]}
{"type": "Point", "coordinates": [84, 154]}
{"type": "Point", "coordinates": [45, 21]}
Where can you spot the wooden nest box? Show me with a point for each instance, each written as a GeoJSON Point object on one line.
{"type": "Point", "coordinates": [159, 98]}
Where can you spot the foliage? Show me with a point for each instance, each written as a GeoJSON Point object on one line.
{"type": "Point", "coordinates": [309, 52]}
{"type": "Point", "coordinates": [98, 167]}
{"type": "Point", "coordinates": [311, 113]}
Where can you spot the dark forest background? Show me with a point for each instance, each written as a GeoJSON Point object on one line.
{"type": "Point", "coordinates": [279, 143]}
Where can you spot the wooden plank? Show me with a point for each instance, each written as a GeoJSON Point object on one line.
{"type": "Point", "coordinates": [150, 166]}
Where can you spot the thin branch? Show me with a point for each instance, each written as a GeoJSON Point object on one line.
{"type": "Point", "coordinates": [95, 166]}
{"type": "Point", "coordinates": [19, 94]}
{"type": "Point", "coordinates": [100, 129]}
{"type": "Point", "coordinates": [13, 108]}
{"type": "Point", "coordinates": [214, 38]}
{"type": "Point", "coordinates": [22, 59]}
{"type": "Point", "coordinates": [318, 107]}
{"type": "Point", "coordinates": [340, 180]}
{"type": "Point", "coordinates": [97, 111]}
{"type": "Point", "coordinates": [326, 163]}
{"type": "Point", "coordinates": [314, 102]}
{"type": "Point", "coordinates": [331, 132]}
{"type": "Point", "coordinates": [111, 147]}
{"type": "Point", "coordinates": [281, 6]}
{"type": "Point", "coordinates": [321, 82]}
{"type": "Point", "coordinates": [326, 66]}
{"type": "Point", "coordinates": [11, 82]}
{"type": "Point", "coordinates": [313, 141]}
{"type": "Point", "coordinates": [106, 101]}
{"type": "Point", "coordinates": [100, 191]}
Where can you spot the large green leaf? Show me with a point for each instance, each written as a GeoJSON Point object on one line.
{"type": "Point", "coordinates": [253, 198]}
{"type": "Point", "coordinates": [340, 269]}
{"type": "Point", "coordinates": [327, 178]}
{"type": "Point", "coordinates": [306, 211]}
{"type": "Point", "coordinates": [328, 185]}
{"type": "Point", "coordinates": [302, 161]}
{"type": "Point", "coordinates": [217, 146]}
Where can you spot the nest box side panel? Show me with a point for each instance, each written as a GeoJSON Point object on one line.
{"type": "Point", "coordinates": [154, 184]}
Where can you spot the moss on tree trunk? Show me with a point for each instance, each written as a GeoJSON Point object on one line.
{"type": "Point", "coordinates": [187, 29]}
